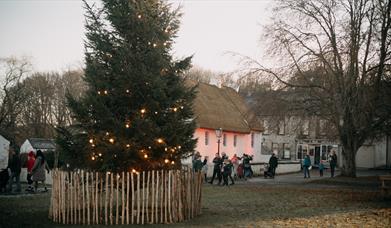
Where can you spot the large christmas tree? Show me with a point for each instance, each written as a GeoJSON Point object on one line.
{"type": "Point", "coordinates": [136, 113]}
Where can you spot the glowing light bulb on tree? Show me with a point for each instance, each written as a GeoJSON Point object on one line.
{"type": "Point", "coordinates": [166, 161]}
{"type": "Point", "coordinates": [111, 140]}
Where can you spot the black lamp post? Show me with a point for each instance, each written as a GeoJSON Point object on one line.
{"type": "Point", "coordinates": [219, 133]}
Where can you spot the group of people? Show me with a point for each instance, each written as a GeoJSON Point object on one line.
{"type": "Point", "coordinates": [35, 164]}
{"type": "Point", "coordinates": [307, 164]}
{"type": "Point", "coordinates": [224, 168]}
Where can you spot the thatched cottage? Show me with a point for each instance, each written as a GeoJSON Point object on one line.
{"type": "Point", "coordinates": [224, 108]}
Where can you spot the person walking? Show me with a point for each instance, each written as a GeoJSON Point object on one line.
{"type": "Point", "coordinates": [197, 163]}
{"type": "Point", "coordinates": [321, 168]}
{"type": "Point", "coordinates": [30, 164]}
{"type": "Point", "coordinates": [333, 163]}
{"type": "Point", "coordinates": [273, 163]}
{"type": "Point", "coordinates": [227, 171]}
{"type": "Point", "coordinates": [247, 166]}
{"type": "Point", "coordinates": [15, 167]}
{"type": "Point", "coordinates": [204, 169]}
{"type": "Point", "coordinates": [235, 163]}
{"type": "Point", "coordinates": [38, 170]}
{"type": "Point", "coordinates": [306, 166]}
{"type": "Point", "coordinates": [217, 161]}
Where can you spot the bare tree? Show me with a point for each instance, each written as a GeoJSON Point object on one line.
{"type": "Point", "coordinates": [199, 74]}
{"type": "Point", "coordinates": [12, 96]}
{"type": "Point", "coordinates": [70, 82]}
{"type": "Point", "coordinates": [345, 44]}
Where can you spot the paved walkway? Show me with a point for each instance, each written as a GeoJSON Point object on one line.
{"type": "Point", "coordinates": [298, 178]}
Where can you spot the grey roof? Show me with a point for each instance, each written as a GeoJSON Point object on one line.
{"type": "Point", "coordinates": [46, 144]}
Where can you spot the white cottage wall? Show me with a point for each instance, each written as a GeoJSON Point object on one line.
{"type": "Point", "coordinates": [4, 150]}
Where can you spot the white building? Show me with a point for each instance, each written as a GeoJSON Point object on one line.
{"type": "Point", "coordinates": [4, 149]}
{"type": "Point", "coordinates": [34, 144]}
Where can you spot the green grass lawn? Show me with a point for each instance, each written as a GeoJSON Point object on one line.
{"type": "Point", "coordinates": [246, 205]}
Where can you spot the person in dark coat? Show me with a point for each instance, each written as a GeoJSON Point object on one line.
{"type": "Point", "coordinates": [16, 167]}
{"type": "Point", "coordinates": [217, 161]}
{"type": "Point", "coordinates": [4, 177]}
{"type": "Point", "coordinates": [333, 163]}
{"type": "Point", "coordinates": [273, 163]}
{"type": "Point", "coordinates": [247, 166]}
{"type": "Point", "coordinates": [227, 171]}
{"type": "Point", "coordinates": [197, 163]}
{"type": "Point", "coordinates": [306, 166]}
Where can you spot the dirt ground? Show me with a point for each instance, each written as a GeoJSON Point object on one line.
{"type": "Point", "coordinates": [337, 202]}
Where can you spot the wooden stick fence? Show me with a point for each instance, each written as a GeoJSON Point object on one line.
{"type": "Point", "coordinates": [149, 197]}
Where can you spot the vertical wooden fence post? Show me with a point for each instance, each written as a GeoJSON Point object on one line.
{"type": "Point", "coordinates": [123, 200]}
{"type": "Point", "coordinates": [107, 195]}
{"type": "Point", "coordinates": [111, 198]}
{"type": "Point", "coordinates": [143, 200]}
{"type": "Point", "coordinates": [127, 198]}
{"type": "Point", "coordinates": [147, 200]}
{"type": "Point", "coordinates": [133, 196]}
{"type": "Point", "coordinates": [138, 198]}
{"type": "Point", "coordinates": [117, 176]}
{"type": "Point", "coordinates": [152, 196]}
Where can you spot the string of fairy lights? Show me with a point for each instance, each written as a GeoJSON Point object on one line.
{"type": "Point", "coordinates": [160, 141]}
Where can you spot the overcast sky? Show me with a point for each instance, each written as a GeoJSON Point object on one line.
{"type": "Point", "coordinates": [52, 32]}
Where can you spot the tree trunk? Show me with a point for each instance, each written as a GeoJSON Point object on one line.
{"type": "Point", "coordinates": [348, 168]}
{"type": "Point", "coordinates": [350, 146]}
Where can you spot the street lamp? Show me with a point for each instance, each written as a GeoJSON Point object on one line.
{"type": "Point", "coordinates": [219, 133]}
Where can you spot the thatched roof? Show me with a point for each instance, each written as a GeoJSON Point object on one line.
{"type": "Point", "coordinates": [224, 108]}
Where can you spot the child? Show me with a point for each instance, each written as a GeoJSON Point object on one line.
{"type": "Point", "coordinates": [321, 168]}
{"type": "Point", "coordinates": [30, 165]}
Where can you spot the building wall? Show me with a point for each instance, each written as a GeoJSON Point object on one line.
{"type": "Point", "coordinates": [243, 144]}
{"type": "Point", "coordinates": [372, 155]}
{"type": "Point", "coordinates": [26, 147]}
{"type": "Point", "coordinates": [4, 150]}
{"type": "Point", "coordinates": [280, 140]}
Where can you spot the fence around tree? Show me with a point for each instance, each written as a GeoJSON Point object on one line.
{"type": "Point", "coordinates": [149, 197]}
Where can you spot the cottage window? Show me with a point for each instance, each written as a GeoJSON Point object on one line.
{"type": "Point", "coordinates": [206, 138]}
{"type": "Point", "coordinates": [322, 127]}
{"type": "Point", "coordinates": [265, 127]}
{"type": "Point", "coordinates": [281, 127]}
{"type": "Point", "coordinates": [225, 139]}
{"type": "Point", "coordinates": [235, 140]}
{"type": "Point", "coordinates": [306, 127]}
{"type": "Point", "coordinates": [275, 148]}
{"type": "Point", "coordinates": [287, 151]}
